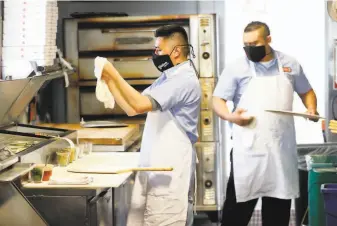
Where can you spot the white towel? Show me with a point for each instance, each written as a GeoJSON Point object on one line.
{"type": "Point", "coordinates": [77, 180]}
{"type": "Point", "coordinates": [103, 93]}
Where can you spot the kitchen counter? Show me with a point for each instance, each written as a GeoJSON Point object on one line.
{"type": "Point", "coordinates": [99, 180]}
{"type": "Point", "coordinates": [105, 201]}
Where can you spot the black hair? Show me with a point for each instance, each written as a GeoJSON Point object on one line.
{"type": "Point", "coordinates": [167, 31]}
{"type": "Point", "coordinates": [254, 25]}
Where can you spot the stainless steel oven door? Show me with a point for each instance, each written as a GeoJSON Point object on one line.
{"type": "Point", "coordinates": [116, 39]}
{"type": "Point", "coordinates": [128, 67]}
{"type": "Point", "coordinates": [91, 107]}
{"type": "Point", "coordinates": [98, 39]}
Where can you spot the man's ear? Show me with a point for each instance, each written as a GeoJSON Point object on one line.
{"type": "Point", "coordinates": [177, 51]}
{"type": "Point", "coordinates": [268, 39]}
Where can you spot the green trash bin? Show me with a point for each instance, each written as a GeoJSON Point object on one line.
{"type": "Point", "coordinates": [322, 170]}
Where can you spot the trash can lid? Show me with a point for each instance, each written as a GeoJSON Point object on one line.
{"type": "Point", "coordinates": [329, 188]}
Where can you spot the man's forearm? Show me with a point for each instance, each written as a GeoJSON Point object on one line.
{"type": "Point", "coordinates": [220, 108]}
{"type": "Point", "coordinates": [120, 99]}
{"type": "Point", "coordinates": [132, 97]}
{"type": "Point", "coordinates": [309, 100]}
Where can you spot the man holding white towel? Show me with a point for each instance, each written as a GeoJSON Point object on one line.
{"type": "Point", "coordinates": [172, 105]}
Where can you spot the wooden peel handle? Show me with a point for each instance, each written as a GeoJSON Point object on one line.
{"type": "Point", "coordinates": [146, 169]}
{"type": "Point", "coordinates": [152, 169]}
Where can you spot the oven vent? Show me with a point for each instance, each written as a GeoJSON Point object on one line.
{"type": "Point", "coordinates": [204, 22]}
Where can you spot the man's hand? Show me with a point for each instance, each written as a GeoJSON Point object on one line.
{"type": "Point", "coordinates": [106, 75]}
{"type": "Point", "coordinates": [238, 117]}
{"type": "Point", "coordinates": [312, 112]}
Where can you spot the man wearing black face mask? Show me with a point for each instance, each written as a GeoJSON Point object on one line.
{"type": "Point", "coordinates": [172, 106]}
{"type": "Point", "coordinates": [264, 154]}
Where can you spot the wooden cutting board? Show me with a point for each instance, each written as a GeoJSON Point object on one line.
{"type": "Point", "coordinates": [102, 136]}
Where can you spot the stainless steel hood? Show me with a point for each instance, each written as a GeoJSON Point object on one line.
{"type": "Point", "coordinates": [15, 95]}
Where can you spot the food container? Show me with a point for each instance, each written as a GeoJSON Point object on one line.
{"type": "Point", "coordinates": [87, 148]}
{"type": "Point", "coordinates": [63, 157]}
{"type": "Point", "coordinates": [78, 153]}
{"type": "Point", "coordinates": [81, 150]}
{"type": "Point", "coordinates": [37, 173]}
{"type": "Point", "coordinates": [72, 156]}
{"type": "Point", "coordinates": [48, 171]}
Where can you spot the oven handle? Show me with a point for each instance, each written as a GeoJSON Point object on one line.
{"type": "Point", "coordinates": [126, 60]}
{"type": "Point", "coordinates": [125, 31]}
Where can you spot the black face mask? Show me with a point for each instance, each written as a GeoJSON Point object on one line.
{"type": "Point", "coordinates": [163, 62]}
{"type": "Point", "coordinates": [255, 53]}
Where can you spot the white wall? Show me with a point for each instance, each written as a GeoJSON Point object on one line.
{"type": "Point", "coordinates": [297, 29]}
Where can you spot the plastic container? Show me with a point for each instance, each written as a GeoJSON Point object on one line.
{"type": "Point", "coordinates": [37, 173]}
{"type": "Point", "coordinates": [63, 158]}
{"type": "Point", "coordinates": [80, 150]}
{"type": "Point", "coordinates": [312, 157]}
{"type": "Point", "coordinates": [72, 156]}
{"type": "Point", "coordinates": [48, 171]}
{"type": "Point", "coordinates": [329, 192]}
{"type": "Point", "coordinates": [87, 148]}
{"type": "Point", "coordinates": [322, 161]}
{"type": "Point", "coordinates": [321, 172]}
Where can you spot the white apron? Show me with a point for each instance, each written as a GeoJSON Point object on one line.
{"type": "Point", "coordinates": [264, 153]}
{"type": "Point", "coordinates": [161, 198]}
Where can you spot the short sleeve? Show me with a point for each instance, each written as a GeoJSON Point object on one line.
{"type": "Point", "coordinates": [172, 92]}
{"type": "Point", "coordinates": [226, 86]}
{"type": "Point", "coordinates": [301, 83]}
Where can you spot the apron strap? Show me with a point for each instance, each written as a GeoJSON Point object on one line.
{"type": "Point", "coordinates": [279, 64]}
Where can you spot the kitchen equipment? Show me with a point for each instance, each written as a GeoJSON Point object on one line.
{"type": "Point", "coordinates": [13, 204]}
{"type": "Point", "coordinates": [82, 199]}
{"type": "Point", "coordinates": [17, 143]}
{"type": "Point", "coordinates": [128, 43]}
{"type": "Point", "coordinates": [105, 139]}
{"type": "Point", "coordinates": [17, 139]}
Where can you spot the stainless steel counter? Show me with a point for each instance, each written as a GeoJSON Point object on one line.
{"type": "Point", "coordinates": [105, 201]}
{"type": "Point", "coordinates": [100, 181]}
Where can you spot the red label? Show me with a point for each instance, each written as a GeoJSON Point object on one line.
{"type": "Point", "coordinates": [286, 69]}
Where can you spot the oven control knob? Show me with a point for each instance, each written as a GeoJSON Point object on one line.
{"type": "Point", "coordinates": [208, 183]}
{"type": "Point", "coordinates": [205, 55]}
{"type": "Point", "coordinates": [207, 121]}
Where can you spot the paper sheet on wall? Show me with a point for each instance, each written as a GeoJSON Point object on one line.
{"type": "Point", "coordinates": [29, 34]}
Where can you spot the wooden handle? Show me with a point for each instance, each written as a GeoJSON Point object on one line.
{"type": "Point", "coordinates": [127, 170]}
{"type": "Point", "coordinates": [145, 169]}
